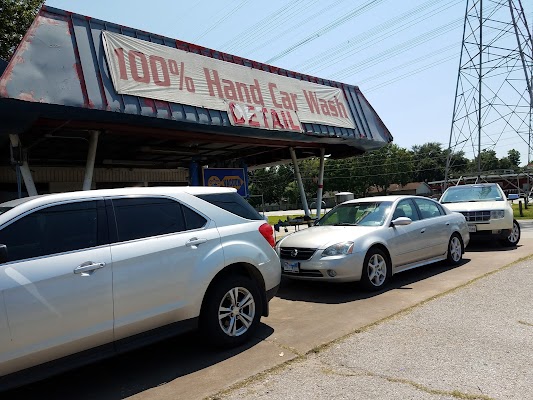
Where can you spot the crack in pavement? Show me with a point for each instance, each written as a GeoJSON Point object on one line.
{"type": "Point", "coordinates": [453, 393]}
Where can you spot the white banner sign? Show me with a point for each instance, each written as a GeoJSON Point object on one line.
{"type": "Point", "coordinates": [154, 71]}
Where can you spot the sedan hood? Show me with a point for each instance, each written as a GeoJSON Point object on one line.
{"type": "Point", "coordinates": [321, 237]}
{"type": "Point", "coordinates": [476, 206]}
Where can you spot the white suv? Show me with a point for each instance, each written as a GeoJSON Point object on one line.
{"type": "Point", "coordinates": [86, 274]}
{"type": "Point", "coordinates": [486, 210]}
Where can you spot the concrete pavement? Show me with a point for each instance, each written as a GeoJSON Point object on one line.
{"type": "Point", "coordinates": [472, 343]}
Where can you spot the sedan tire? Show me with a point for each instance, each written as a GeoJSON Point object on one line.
{"type": "Point", "coordinates": [231, 311]}
{"type": "Point", "coordinates": [455, 250]}
{"type": "Point", "coordinates": [514, 237]}
{"type": "Point", "coordinates": [376, 269]}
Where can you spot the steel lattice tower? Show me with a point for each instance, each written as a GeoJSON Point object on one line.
{"type": "Point", "coordinates": [493, 98]}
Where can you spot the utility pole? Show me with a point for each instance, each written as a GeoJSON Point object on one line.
{"type": "Point", "coordinates": [493, 97]}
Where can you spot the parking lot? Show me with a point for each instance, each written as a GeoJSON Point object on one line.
{"type": "Point", "coordinates": [304, 317]}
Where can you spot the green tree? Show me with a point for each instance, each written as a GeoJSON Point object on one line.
{"type": "Point", "coordinates": [430, 162]}
{"type": "Point", "coordinates": [489, 160]}
{"type": "Point", "coordinates": [392, 164]}
{"type": "Point", "coordinates": [15, 18]}
{"type": "Point", "coordinates": [271, 183]}
{"type": "Point", "coordinates": [514, 158]}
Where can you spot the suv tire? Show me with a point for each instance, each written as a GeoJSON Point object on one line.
{"type": "Point", "coordinates": [231, 312]}
{"type": "Point", "coordinates": [514, 236]}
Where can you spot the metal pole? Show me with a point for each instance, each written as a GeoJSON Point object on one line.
{"type": "Point", "coordinates": [479, 83]}
{"type": "Point", "coordinates": [528, 83]}
{"type": "Point", "coordinates": [28, 180]}
{"type": "Point", "coordinates": [91, 157]}
{"type": "Point", "coordinates": [449, 157]}
{"type": "Point", "coordinates": [320, 184]}
{"type": "Point", "coordinates": [19, 181]}
{"type": "Point", "coordinates": [299, 181]}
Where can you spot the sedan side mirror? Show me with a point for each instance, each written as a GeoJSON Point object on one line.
{"type": "Point", "coordinates": [400, 221]}
{"type": "Point", "coordinates": [3, 253]}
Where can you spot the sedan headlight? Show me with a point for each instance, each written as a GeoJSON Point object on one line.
{"type": "Point", "coordinates": [338, 249]}
{"type": "Point", "coordinates": [497, 214]}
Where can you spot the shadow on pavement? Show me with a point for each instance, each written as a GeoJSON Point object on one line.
{"type": "Point", "coordinates": [487, 245]}
{"type": "Point", "coordinates": [136, 371]}
{"type": "Point", "coordinates": [337, 293]}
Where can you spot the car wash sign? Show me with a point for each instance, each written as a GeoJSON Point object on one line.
{"type": "Point", "coordinates": [251, 97]}
{"type": "Point", "coordinates": [226, 177]}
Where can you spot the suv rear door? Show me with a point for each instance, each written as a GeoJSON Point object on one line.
{"type": "Point", "coordinates": [159, 250]}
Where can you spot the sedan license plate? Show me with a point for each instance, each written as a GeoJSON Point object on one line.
{"type": "Point", "coordinates": [289, 266]}
{"type": "Point", "coordinates": [472, 228]}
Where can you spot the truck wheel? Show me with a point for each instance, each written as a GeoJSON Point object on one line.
{"type": "Point", "coordinates": [514, 237]}
{"type": "Point", "coordinates": [231, 311]}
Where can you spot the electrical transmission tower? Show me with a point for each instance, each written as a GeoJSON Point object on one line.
{"type": "Point", "coordinates": [494, 98]}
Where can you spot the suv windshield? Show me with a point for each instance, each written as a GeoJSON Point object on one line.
{"type": "Point", "coordinates": [461, 194]}
{"type": "Point", "coordinates": [363, 214]}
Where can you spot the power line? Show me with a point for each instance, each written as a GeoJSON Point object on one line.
{"type": "Point", "coordinates": [358, 11]}
{"type": "Point", "coordinates": [222, 19]}
{"type": "Point", "coordinates": [376, 34]}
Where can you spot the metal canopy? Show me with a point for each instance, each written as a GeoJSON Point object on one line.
{"type": "Point", "coordinates": [56, 89]}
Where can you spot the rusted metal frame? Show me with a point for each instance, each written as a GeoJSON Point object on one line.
{"type": "Point", "coordinates": [81, 77]}
{"type": "Point", "coordinates": [95, 57]}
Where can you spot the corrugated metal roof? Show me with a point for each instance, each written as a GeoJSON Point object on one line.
{"type": "Point", "coordinates": [61, 62]}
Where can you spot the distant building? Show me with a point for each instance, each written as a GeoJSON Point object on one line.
{"type": "Point", "coordinates": [413, 188]}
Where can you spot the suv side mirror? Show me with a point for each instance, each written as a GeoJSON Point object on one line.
{"type": "Point", "coordinates": [3, 253]}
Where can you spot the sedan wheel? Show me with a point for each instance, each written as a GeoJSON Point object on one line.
{"type": "Point", "coordinates": [376, 269]}
{"type": "Point", "coordinates": [455, 250]}
{"type": "Point", "coordinates": [231, 311]}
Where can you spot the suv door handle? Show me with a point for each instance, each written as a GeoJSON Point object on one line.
{"type": "Point", "coordinates": [423, 230]}
{"type": "Point", "coordinates": [88, 266]}
{"type": "Point", "coordinates": [195, 242]}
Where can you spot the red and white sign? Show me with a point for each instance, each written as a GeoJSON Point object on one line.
{"type": "Point", "coordinates": [151, 70]}
{"type": "Point", "coordinates": [275, 119]}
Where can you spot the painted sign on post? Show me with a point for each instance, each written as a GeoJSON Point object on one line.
{"type": "Point", "coordinates": [154, 71]}
{"type": "Point", "coordinates": [226, 177]}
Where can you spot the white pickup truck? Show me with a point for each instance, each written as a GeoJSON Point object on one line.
{"type": "Point", "coordinates": [486, 210]}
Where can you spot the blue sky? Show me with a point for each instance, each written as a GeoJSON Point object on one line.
{"type": "Point", "coordinates": [403, 55]}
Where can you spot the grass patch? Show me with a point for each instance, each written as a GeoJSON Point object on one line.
{"type": "Point", "coordinates": [528, 214]}
{"type": "Point", "coordinates": [273, 219]}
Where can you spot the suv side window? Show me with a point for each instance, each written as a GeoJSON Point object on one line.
{"type": "Point", "coordinates": [428, 209]}
{"type": "Point", "coordinates": [233, 203]}
{"type": "Point", "coordinates": [55, 229]}
{"type": "Point", "coordinates": [193, 220]}
{"type": "Point", "coordinates": [142, 217]}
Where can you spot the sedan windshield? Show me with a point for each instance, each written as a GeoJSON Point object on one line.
{"type": "Point", "coordinates": [460, 194]}
{"type": "Point", "coordinates": [363, 214]}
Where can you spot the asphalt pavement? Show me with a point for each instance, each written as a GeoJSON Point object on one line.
{"type": "Point", "coordinates": [472, 343]}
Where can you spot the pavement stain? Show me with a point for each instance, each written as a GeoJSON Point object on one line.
{"type": "Point", "coordinates": [329, 370]}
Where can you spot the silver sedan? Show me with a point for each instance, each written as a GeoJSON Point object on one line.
{"type": "Point", "coordinates": [371, 239]}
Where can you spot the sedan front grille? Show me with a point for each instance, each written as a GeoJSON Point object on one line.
{"type": "Point", "coordinates": [476, 216]}
{"type": "Point", "coordinates": [296, 253]}
{"type": "Point", "coordinates": [306, 272]}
